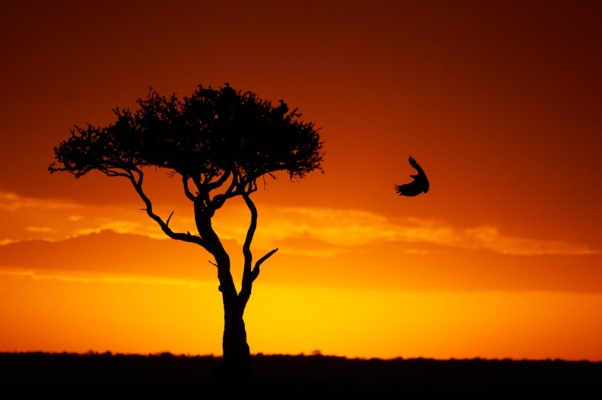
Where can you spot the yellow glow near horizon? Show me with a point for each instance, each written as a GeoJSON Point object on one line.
{"type": "Point", "coordinates": [123, 314]}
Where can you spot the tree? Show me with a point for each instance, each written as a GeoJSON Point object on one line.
{"type": "Point", "coordinates": [219, 142]}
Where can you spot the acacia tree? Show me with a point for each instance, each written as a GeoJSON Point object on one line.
{"type": "Point", "coordinates": [219, 142]}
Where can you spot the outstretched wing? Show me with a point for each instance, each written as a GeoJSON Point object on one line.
{"type": "Point", "coordinates": [409, 189]}
{"type": "Point", "coordinates": [420, 184]}
{"type": "Point", "coordinates": [416, 166]}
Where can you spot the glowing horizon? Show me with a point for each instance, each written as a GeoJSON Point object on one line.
{"type": "Point", "coordinates": [303, 320]}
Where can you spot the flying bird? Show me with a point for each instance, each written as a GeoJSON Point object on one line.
{"type": "Point", "coordinates": [420, 184]}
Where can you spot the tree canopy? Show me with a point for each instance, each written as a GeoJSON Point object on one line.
{"type": "Point", "coordinates": [214, 138]}
{"type": "Point", "coordinates": [209, 136]}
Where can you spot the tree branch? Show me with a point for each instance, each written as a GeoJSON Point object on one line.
{"type": "Point", "coordinates": [112, 172]}
{"type": "Point", "coordinates": [187, 191]}
{"type": "Point", "coordinates": [137, 183]}
{"type": "Point", "coordinates": [246, 248]}
{"type": "Point", "coordinates": [255, 272]}
{"type": "Point", "coordinates": [249, 275]}
{"type": "Point", "coordinates": [219, 199]}
{"type": "Point", "coordinates": [219, 182]}
{"type": "Point", "coordinates": [169, 219]}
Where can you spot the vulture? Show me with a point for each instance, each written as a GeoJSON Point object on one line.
{"type": "Point", "coordinates": [420, 184]}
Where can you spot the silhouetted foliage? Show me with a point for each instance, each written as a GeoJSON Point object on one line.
{"type": "Point", "coordinates": [219, 142]}
{"type": "Point", "coordinates": [202, 137]}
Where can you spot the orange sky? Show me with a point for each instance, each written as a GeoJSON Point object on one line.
{"type": "Point", "coordinates": [499, 102]}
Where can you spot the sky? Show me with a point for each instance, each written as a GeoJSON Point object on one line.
{"type": "Point", "coordinates": [499, 101]}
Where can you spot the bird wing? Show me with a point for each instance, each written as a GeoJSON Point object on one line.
{"type": "Point", "coordinates": [409, 189]}
{"type": "Point", "coordinates": [419, 184]}
{"type": "Point", "coordinates": [416, 166]}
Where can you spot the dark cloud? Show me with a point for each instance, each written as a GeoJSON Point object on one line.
{"type": "Point", "coordinates": [110, 252]}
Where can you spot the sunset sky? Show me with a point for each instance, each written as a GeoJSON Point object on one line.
{"type": "Point", "coordinates": [499, 101]}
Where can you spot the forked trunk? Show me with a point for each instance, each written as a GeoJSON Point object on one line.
{"type": "Point", "coordinates": [236, 371]}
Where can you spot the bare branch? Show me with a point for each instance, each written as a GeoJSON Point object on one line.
{"type": "Point", "coordinates": [249, 277]}
{"type": "Point", "coordinates": [219, 182]}
{"type": "Point", "coordinates": [262, 259]}
{"type": "Point", "coordinates": [252, 186]}
{"type": "Point", "coordinates": [255, 272]}
{"type": "Point", "coordinates": [185, 237]}
{"type": "Point", "coordinates": [202, 191]}
{"type": "Point", "coordinates": [246, 248]}
{"type": "Point", "coordinates": [197, 183]}
{"type": "Point", "coordinates": [111, 172]}
{"type": "Point", "coordinates": [219, 199]}
{"type": "Point", "coordinates": [187, 191]}
{"type": "Point", "coordinates": [168, 219]}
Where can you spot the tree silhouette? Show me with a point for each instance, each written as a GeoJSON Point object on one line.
{"type": "Point", "coordinates": [219, 142]}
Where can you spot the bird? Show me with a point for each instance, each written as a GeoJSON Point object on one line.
{"type": "Point", "coordinates": [420, 184]}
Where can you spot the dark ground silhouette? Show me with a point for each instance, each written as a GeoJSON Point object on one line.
{"type": "Point", "coordinates": [44, 375]}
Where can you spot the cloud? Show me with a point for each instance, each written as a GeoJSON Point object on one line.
{"type": "Point", "coordinates": [318, 232]}
{"type": "Point", "coordinates": [111, 253]}
{"type": "Point", "coordinates": [83, 277]}
{"type": "Point", "coordinates": [27, 219]}
{"type": "Point", "coordinates": [346, 229]}
{"type": "Point", "coordinates": [490, 238]}
{"type": "Point", "coordinates": [13, 202]}
{"type": "Point", "coordinates": [121, 226]}
{"type": "Point", "coordinates": [42, 229]}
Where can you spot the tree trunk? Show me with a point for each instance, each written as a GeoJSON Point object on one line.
{"type": "Point", "coordinates": [236, 370]}
{"type": "Point", "coordinates": [237, 354]}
